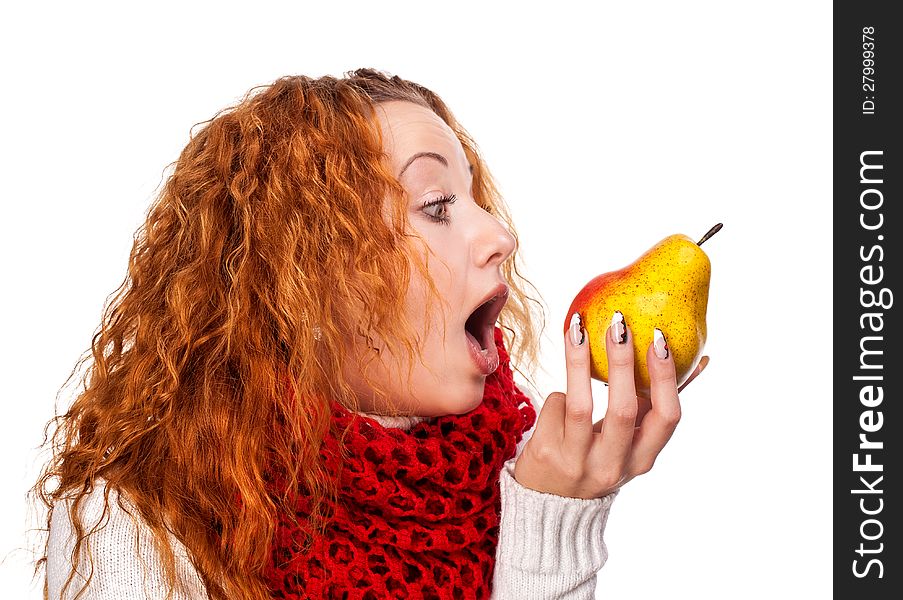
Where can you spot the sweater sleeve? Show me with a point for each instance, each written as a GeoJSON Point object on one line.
{"type": "Point", "coordinates": [123, 563]}
{"type": "Point", "coordinates": [549, 546]}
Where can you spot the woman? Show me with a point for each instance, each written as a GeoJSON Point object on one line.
{"type": "Point", "coordinates": [303, 388]}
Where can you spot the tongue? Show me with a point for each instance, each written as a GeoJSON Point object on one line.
{"type": "Point", "coordinates": [487, 356]}
{"type": "Point", "coordinates": [476, 342]}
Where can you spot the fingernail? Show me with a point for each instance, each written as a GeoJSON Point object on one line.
{"type": "Point", "coordinates": [618, 328]}
{"type": "Point", "coordinates": [578, 336]}
{"type": "Point", "coordinates": [659, 344]}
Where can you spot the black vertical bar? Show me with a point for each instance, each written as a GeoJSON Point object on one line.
{"type": "Point", "coordinates": [868, 225]}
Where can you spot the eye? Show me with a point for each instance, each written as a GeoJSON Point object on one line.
{"type": "Point", "coordinates": [442, 209]}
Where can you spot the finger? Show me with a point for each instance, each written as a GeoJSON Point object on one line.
{"type": "Point", "coordinates": [659, 423]}
{"type": "Point", "coordinates": [578, 421]}
{"type": "Point", "coordinates": [620, 416]}
{"type": "Point", "coordinates": [644, 404]}
{"type": "Point", "coordinates": [703, 363]}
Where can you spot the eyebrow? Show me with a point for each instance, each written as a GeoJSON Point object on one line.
{"type": "Point", "coordinates": [433, 155]}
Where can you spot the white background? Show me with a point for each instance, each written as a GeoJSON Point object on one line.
{"type": "Point", "coordinates": [608, 128]}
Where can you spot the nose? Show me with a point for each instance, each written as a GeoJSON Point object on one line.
{"type": "Point", "coordinates": [495, 242]}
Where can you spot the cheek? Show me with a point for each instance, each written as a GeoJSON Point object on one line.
{"type": "Point", "coordinates": [445, 275]}
{"type": "Point", "coordinates": [444, 257]}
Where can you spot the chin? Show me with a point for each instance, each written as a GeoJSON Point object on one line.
{"type": "Point", "coordinates": [469, 405]}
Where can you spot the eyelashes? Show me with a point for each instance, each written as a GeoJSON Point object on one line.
{"type": "Point", "coordinates": [442, 201]}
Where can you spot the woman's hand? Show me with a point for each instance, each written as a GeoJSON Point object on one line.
{"type": "Point", "coordinates": [569, 455]}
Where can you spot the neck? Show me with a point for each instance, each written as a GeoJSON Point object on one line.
{"type": "Point", "coordinates": [400, 422]}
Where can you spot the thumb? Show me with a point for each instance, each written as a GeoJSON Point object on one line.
{"type": "Point", "coordinates": [703, 363]}
{"type": "Point", "coordinates": [550, 421]}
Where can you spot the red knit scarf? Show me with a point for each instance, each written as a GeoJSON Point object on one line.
{"type": "Point", "coordinates": [419, 510]}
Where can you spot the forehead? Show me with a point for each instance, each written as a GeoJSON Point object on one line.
{"type": "Point", "coordinates": [409, 128]}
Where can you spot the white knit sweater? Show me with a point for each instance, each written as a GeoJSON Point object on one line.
{"type": "Point", "coordinates": [549, 546]}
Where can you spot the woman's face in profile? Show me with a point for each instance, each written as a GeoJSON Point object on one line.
{"type": "Point", "coordinates": [467, 248]}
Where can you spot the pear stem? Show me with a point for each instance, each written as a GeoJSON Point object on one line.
{"type": "Point", "coordinates": [710, 233]}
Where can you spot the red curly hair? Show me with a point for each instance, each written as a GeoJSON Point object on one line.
{"type": "Point", "coordinates": [264, 228]}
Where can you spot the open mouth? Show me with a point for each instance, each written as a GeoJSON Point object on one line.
{"type": "Point", "coordinates": [481, 322]}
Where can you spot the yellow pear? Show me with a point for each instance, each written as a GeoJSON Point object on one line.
{"type": "Point", "coordinates": [667, 287]}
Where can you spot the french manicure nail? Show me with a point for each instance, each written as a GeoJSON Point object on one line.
{"type": "Point", "coordinates": [578, 335]}
{"type": "Point", "coordinates": [660, 344]}
{"type": "Point", "coordinates": [618, 328]}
